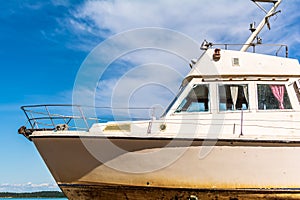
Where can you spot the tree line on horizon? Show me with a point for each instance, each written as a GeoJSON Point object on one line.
{"type": "Point", "coordinates": [42, 194]}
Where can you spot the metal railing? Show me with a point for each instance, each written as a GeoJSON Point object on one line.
{"type": "Point", "coordinates": [277, 47]}
{"type": "Point", "coordinates": [77, 117]}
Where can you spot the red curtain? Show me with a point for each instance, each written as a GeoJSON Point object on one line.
{"type": "Point", "coordinates": [278, 92]}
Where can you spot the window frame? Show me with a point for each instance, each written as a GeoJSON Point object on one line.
{"type": "Point", "coordinates": [233, 84]}
{"type": "Point", "coordinates": [185, 95]}
{"type": "Point", "coordinates": [287, 92]}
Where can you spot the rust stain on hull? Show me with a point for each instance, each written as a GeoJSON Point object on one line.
{"type": "Point", "coordinates": [120, 192]}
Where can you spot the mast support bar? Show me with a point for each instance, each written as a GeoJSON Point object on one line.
{"type": "Point", "coordinates": [265, 21]}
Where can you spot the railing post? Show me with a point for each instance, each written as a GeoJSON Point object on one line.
{"type": "Point", "coordinates": [53, 124]}
{"type": "Point", "coordinates": [153, 113]}
{"type": "Point", "coordinates": [242, 119]}
{"type": "Point", "coordinates": [151, 121]}
{"type": "Point", "coordinates": [83, 117]}
{"type": "Point", "coordinates": [27, 117]}
{"type": "Point", "coordinates": [35, 122]}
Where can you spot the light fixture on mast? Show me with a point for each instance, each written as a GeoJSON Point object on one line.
{"type": "Point", "coordinates": [252, 27]}
{"type": "Point", "coordinates": [264, 22]}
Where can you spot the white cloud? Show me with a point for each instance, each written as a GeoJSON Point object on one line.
{"type": "Point", "coordinates": [28, 187]}
{"type": "Point", "coordinates": [121, 57]}
{"type": "Point", "coordinates": [218, 21]}
{"type": "Point", "coordinates": [195, 18]}
{"type": "Point", "coordinates": [144, 86]}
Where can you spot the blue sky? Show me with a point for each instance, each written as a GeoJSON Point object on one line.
{"type": "Point", "coordinates": [43, 44]}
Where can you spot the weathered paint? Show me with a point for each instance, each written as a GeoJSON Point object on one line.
{"type": "Point", "coordinates": [225, 167]}
{"type": "Point", "coordinates": [82, 192]}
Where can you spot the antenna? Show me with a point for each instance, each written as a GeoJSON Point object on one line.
{"type": "Point", "coordinates": [265, 21]}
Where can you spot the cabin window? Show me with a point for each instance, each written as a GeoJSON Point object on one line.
{"type": "Point", "coordinates": [233, 97]}
{"type": "Point", "coordinates": [174, 100]}
{"type": "Point", "coordinates": [272, 97]}
{"type": "Point", "coordinates": [196, 101]}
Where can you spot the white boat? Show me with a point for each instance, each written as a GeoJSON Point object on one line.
{"type": "Point", "coordinates": [233, 131]}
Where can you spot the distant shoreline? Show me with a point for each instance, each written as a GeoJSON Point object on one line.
{"type": "Point", "coordinates": [41, 194]}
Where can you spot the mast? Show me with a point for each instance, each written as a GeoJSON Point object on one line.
{"type": "Point", "coordinates": [265, 21]}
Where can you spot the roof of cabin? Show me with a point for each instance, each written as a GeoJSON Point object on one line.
{"type": "Point", "coordinates": [239, 64]}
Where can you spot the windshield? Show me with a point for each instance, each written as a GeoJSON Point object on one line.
{"type": "Point", "coordinates": [196, 101]}
{"type": "Point", "coordinates": [173, 101]}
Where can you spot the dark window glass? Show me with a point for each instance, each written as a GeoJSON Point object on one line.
{"type": "Point", "coordinates": [272, 97]}
{"type": "Point", "coordinates": [233, 97]}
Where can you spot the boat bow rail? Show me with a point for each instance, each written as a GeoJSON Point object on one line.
{"type": "Point", "coordinates": [62, 117]}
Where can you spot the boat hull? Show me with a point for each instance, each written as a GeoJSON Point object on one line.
{"type": "Point", "coordinates": [176, 169]}
{"type": "Point", "coordinates": [108, 192]}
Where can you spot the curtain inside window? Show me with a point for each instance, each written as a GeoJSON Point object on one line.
{"type": "Point", "coordinates": [234, 94]}
{"type": "Point", "coordinates": [245, 89]}
{"type": "Point", "coordinates": [278, 92]}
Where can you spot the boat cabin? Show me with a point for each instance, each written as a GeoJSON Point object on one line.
{"type": "Point", "coordinates": [232, 95]}
{"type": "Point", "coordinates": [239, 89]}
{"type": "Point", "coordinates": [239, 81]}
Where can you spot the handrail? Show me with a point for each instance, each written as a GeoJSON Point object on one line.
{"type": "Point", "coordinates": [280, 46]}
{"type": "Point", "coordinates": [68, 116]}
